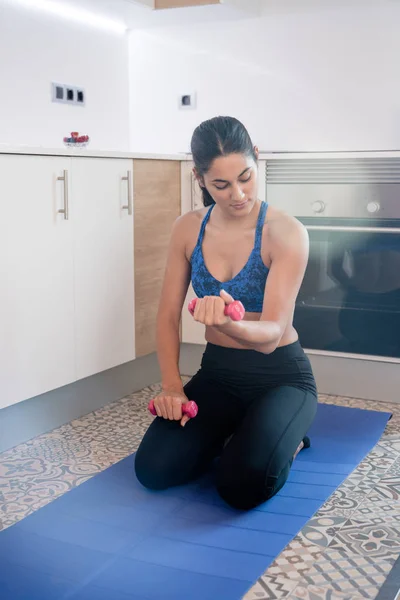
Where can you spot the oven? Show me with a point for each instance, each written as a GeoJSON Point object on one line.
{"type": "Point", "coordinates": [350, 298]}
{"type": "Point", "coordinates": [349, 301]}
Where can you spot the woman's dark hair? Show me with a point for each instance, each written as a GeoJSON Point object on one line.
{"type": "Point", "coordinates": [216, 137]}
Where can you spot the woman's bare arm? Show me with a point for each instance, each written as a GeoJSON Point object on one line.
{"type": "Point", "coordinates": [173, 293]}
{"type": "Point", "coordinates": [288, 240]}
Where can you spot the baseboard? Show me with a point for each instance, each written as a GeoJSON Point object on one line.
{"type": "Point", "coordinates": [26, 420]}
{"type": "Point", "coordinates": [357, 378]}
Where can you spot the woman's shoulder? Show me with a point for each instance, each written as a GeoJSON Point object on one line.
{"type": "Point", "coordinates": [284, 229]}
{"type": "Point", "coordinates": [191, 221]}
{"type": "Point", "coordinates": [186, 228]}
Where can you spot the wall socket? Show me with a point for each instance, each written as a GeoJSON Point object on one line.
{"type": "Point", "coordinates": [68, 94]}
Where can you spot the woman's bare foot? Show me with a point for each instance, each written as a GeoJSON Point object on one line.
{"type": "Point", "coordinates": [299, 448]}
{"type": "Point", "coordinates": [305, 443]}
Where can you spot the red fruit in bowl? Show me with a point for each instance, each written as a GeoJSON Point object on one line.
{"type": "Point", "coordinates": [75, 134]}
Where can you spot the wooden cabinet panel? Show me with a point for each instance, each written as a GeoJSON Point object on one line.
{"type": "Point", "coordinates": [162, 4]}
{"type": "Point", "coordinates": [157, 193]}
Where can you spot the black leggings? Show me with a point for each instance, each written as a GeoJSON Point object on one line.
{"type": "Point", "coordinates": [265, 402]}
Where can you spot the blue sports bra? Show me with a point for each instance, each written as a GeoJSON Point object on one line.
{"type": "Point", "coordinates": [248, 285]}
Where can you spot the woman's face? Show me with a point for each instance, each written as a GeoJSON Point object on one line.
{"type": "Point", "coordinates": [232, 183]}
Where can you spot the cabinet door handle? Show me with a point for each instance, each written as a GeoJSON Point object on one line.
{"type": "Point", "coordinates": [64, 211]}
{"type": "Point", "coordinates": [128, 206]}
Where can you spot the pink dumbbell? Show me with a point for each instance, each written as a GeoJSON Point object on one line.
{"type": "Point", "coordinates": [189, 408]}
{"type": "Point", "coordinates": [235, 310]}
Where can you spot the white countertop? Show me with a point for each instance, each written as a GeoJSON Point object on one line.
{"type": "Point", "coordinates": [183, 156]}
{"type": "Point", "coordinates": [87, 152]}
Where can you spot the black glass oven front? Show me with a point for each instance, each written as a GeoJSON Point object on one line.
{"type": "Point", "coordinates": [349, 301]}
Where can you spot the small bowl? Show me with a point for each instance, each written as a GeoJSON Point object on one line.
{"type": "Point", "coordinates": [76, 144]}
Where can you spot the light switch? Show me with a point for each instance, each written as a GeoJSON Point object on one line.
{"type": "Point", "coordinates": [188, 101]}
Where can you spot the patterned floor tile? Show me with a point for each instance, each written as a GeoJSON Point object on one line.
{"type": "Point", "coordinates": [349, 573]}
{"type": "Point", "coordinates": [371, 471]}
{"type": "Point", "coordinates": [378, 513]}
{"type": "Point", "coordinates": [360, 403]}
{"type": "Point", "coordinates": [394, 469]}
{"type": "Point", "coordinates": [295, 560]}
{"type": "Point", "coordinates": [363, 484]}
{"type": "Point", "coordinates": [369, 540]}
{"type": "Point", "coordinates": [321, 530]}
{"type": "Point", "coordinates": [388, 489]}
{"type": "Point", "coordinates": [392, 443]}
{"type": "Point", "coordinates": [393, 427]}
{"type": "Point", "coordinates": [364, 477]}
{"type": "Point", "coordinates": [381, 457]}
{"type": "Point", "coordinates": [271, 588]}
{"type": "Point", "coordinates": [382, 503]}
{"type": "Point", "coordinates": [313, 592]}
{"type": "Point", "coordinates": [342, 503]}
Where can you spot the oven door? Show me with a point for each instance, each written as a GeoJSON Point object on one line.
{"type": "Point", "coordinates": [349, 301]}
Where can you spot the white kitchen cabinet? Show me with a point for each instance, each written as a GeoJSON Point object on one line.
{"type": "Point", "coordinates": [37, 346]}
{"type": "Point", "coordinates": [67, 272]}
{"type": "Point", "coordinates": [102, 210]}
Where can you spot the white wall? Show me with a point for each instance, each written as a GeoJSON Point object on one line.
{"type": "Point", "coordinates": [317, 79]}
{"type": "Point", "coordinates": [36, 49]}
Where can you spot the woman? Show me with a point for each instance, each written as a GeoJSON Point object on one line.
{"type": "Point", "coordinates": [255, 389]}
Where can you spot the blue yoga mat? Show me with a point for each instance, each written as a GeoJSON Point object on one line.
{"type": "Point", "coordinates": [110, 539]}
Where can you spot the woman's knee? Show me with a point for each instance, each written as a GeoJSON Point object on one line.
{"type": "Point", "coordinates": [152, 469]}
{"type": "Point", "coordinates": [245, 484]}
{"type": "Point", "coordinates": [245, 488]}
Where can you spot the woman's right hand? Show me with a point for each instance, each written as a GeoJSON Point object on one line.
{"type": "Point", "coordinates": [168, 405]}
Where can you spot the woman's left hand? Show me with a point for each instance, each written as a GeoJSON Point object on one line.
{"type": "Point", "coordinates": [210, 310]}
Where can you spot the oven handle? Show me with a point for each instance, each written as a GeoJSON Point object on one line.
{"type": "Point", "coordinates": [353, 229]}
